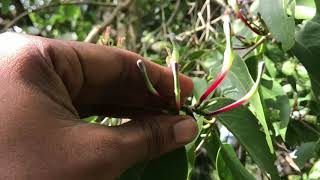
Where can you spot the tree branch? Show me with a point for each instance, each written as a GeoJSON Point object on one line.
{"type": "Point", "coordinates": [25, 13]}
{"type": "Point", "coordinates": [100, 27]}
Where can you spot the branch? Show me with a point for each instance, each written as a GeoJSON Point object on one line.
{"type": "Point", "coordinates": [174, 13]}
{"type": "Point", "coordinates": [97, 29]}
{"type": "Point", "coordinates": [27, 12]}
{"type": "Point", "coordinates": [171, 18]}
{"type": "Point", "coordinates": [20, 9]}
{"type": "Point", "coordinates": [261, 41]}
{"type": "Point", "coordinates": [245, 21]}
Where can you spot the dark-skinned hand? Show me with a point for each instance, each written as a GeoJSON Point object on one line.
{"type": "Point", "coordinates": [46, 86]}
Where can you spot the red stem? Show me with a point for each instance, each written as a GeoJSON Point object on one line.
{"type": "Point", "coordinates": [245, 21]}
{"type": "Point", "coordinates": [212, 87]}
{"type": "Point", "coordinates": [226, 108]}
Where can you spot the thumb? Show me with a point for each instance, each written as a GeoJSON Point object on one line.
{"type": "Point", "coordinates": [141, 139]}
{"type": "Point", "coordinates": [149, 137]}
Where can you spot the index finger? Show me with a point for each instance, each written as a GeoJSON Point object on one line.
{"type": "Point", "coordinates": [109, 78]}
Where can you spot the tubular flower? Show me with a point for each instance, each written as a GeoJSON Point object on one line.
{"type": "Point", "coordinates": [173, 60]}
{"type": "Point", "coordinates": [245, 98]}
{"type": "Point", "coordinates": [227, 62]}
{"type": "Point", "coordinates": [142, 68]}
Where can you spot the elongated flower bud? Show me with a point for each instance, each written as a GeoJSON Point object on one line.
{"type": "Point", "coordinates": [227, 62]}
{"type": "Point", "coordinates": [143, 70]}
{"type": "Point", "coordinates": [245, 98]}
{"type": "Point", "coordinates": [174, 59]}
{"type": "Point", "coordinates": [177, 90]}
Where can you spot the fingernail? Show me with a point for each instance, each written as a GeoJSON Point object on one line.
{"type": "Point", "coordinates": [185, 131]}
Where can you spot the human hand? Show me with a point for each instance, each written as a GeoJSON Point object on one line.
{"type": "Point", "coordinates": [46, 86]}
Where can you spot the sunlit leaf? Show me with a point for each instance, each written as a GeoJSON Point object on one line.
{"type": "Point", "coordinates": [244, 125]}
{"type": "Point", "coordinates": [229, 166]}
{"type": "Point", "coordinates": [277, 102]}
{"type": "Point", "coordinates": [282, 27]}
{"type": "Point", "coordinates": [307, 50]}
{"type": "Point", "coordinates": [236, 85]}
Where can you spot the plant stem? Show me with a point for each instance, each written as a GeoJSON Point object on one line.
{"type": "Point", "coordinates": [309, 127]}
{"type": "Point", "coordinates": [25, 13]}
{"type": "Point", "coordinates": [227, 62]}
{"type": "Point", "coordinates": [245, 98]}
{"type": "Point", "coordinates": [245, 21]}
{"type": "Point", "coordinates": [261, 41]}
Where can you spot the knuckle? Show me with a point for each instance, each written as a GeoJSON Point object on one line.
{"type": "Point", "coordinates": [155, 140]}
{"type": "Point", "coordinates": [19, 52]}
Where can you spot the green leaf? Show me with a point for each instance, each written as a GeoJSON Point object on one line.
{"type": "Point", "coordinates": [297, 134]}
{"type": "Point", "coordinates": [91, 119]}
{"type": "Point", "coordinates": [315, 171]}
{"type": "Point", "coordinates": [5, 6]}
{"type": "Point", "coordinates": [236, 85]}
{"type": "Point", "coordinates": [270, 66]}
{"type": "Point", "coordinates": [223, 171]}
{"type": "Point", "coordinates": [305, 152]}
{"type": "Point", "coordinates": [200, 85]}
{"type": "Point", "coordinates": [282, 27]}
{"type": "Point", "coordinates": [277, 102]}
{"type": "Point", "coordinates": [244, 126]}
{"type": "Point", "coordinates": [305, 9]}
{"type": "Point", "coordinates": [307, 50]}
{"type": "Point", "coordinates": [190, 148]}
{"type": "Point", "coordinates": [212, 146]}
{"type": "Point", "coordinates": [171, 166]}
{"type": "Point", "coordinates": [229, 166]}
{"type": "Point", "coordinates": [196, 55]}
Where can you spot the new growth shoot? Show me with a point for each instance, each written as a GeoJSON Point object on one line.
{"type": "Point", "coordinates": [227, 62]}
{"type": "Point", "coordinates": [174, 64]}
{"type": "Point", "coordinates": [245, 98]}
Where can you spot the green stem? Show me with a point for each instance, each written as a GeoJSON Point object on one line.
{"type": "Point", "coordinates": [260, 42]}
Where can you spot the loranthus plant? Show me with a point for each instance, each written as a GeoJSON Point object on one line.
{"type": "Point", "coordinates": [253, 123]}
{"type": "Point", "coordinates": [173, 63]}
{"type": "Point", "coordinates": [206, 110]}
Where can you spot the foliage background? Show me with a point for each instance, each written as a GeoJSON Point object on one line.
{"type": "Point", "coordinates": [287, 101]}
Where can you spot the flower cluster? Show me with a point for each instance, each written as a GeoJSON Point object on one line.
{"type": "Point", "coordinates": [173, 59]}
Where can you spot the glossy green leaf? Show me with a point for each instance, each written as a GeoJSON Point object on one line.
{"type": "Point", "coordinates": [229, 166]}
{"type": "Point", "coordinates": [277, 105]}
{"type": "Point", "coordinates": [171, 166]}
{"type": "Point", "coordinates": [244, 126]}
{"type": "Point", "coordinates": [307, 50]}
{"type": "Point", "coordinates": [236, 85]}
{"type": "Point", "coordinates": [282, 27]}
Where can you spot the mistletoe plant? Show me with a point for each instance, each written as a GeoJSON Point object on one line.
{"type": "Point", "coordinates": [206, 109]}
{"type": "Point", "coordinates": [200, 106]}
